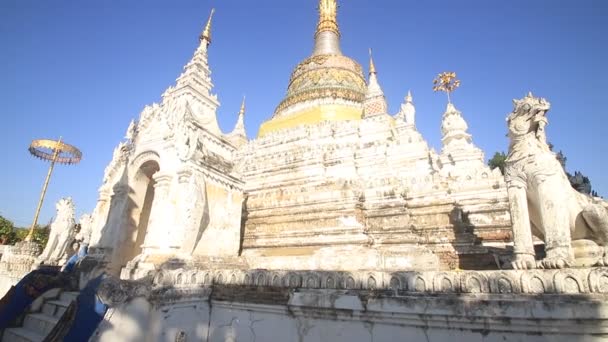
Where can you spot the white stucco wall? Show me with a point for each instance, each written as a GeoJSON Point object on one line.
{"type": "Point", "coordinates": [334, 315]}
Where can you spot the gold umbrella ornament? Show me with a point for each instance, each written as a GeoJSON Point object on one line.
{"type": "Point", "coordinates": [55, 152]}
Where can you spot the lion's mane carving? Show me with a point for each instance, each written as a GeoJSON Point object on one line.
{"type": "Point", "coordinates": [542, 201]}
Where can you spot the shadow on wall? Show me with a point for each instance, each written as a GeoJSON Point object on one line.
{"type": "Point", "coordinates": [128, 215]}
{"type": "Point", "coordinates": [470, 254]}
{"type": "Point", "coordinates": [244, 216]}
{"type": "Point", "coordinates": [207, 307]}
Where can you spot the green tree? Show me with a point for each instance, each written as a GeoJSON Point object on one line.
{"type": "Point", "coordinates": [7, 231]}
{"type": "Point", "coordinates": [9, 234]}
{"type": "Point", "coordinates": [498, 161]}
{"type": "Point", "coordinates": [41, 235]}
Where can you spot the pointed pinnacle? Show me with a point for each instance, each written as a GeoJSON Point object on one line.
{"type": "Point", "coordinates": [206, 35]}
{"type": "Point", "coordinates": [242, 111]}
{"type": "Point", "coordinates": [409, 98]}
{"type": "Point", "coordinates": [372, 67]}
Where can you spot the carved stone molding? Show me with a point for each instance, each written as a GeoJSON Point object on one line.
{"type": "Point", "coordinates": [586, 280]}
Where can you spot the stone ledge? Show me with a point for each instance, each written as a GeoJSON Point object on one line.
{"type": "Point", "coordinates": [565, 281]}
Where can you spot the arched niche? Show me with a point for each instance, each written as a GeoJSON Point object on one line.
{"type": "Point", "coordinates": [141, 197]}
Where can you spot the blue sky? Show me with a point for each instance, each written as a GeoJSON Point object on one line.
{"type": "Point", "coordinates": [84, 69]}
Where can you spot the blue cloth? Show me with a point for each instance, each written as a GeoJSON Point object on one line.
{"type": "Point", "coordinates": [27, 290]}
{"type": "Point", "coordinates": [89, 313]}
{"type": "Point", "coordinates": [69, 265]}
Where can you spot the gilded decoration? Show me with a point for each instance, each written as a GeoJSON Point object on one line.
{"type": "Point", "coordinates": [328, 76]}
{"type": "Point", "coordinates": [446, 82]}
{"type": "Point", "coordinates": [311, 115]}
{"type": "Point", "coordinates": [327, 16]}
{"type": "Point", "coordinates": [325, 76]}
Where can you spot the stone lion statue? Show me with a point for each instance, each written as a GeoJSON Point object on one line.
{"type": "Point", "coordinates": [573, 226]}
{"type": "Point", "coordinates": [61, 233]}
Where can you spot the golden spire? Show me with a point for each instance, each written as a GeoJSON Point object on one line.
{"type": "Point", "coordinates": [327, 17]}
{"type": "Point", "coordinates": [206, 35]}
{"type": "Point", "coordinates": [372, 67]}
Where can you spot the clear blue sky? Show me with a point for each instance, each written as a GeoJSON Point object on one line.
{"type": "Point", "coordinates": [84, 69]}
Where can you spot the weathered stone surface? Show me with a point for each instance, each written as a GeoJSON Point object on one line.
{"type": "Point", "coordinates": [222, 312]}
{"type": "Point", "coordinates": [16, 262]}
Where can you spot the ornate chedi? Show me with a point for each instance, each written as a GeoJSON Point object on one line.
{"type": "Point", "coordinates": [333, 182]}
{"type": "Point", "coordinates": [322, 194]}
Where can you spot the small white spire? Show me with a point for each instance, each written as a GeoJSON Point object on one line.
{"type": "Point", "coordinates": [407, 112]}
{"type": "Point", "coordinates": [373, 87]}
{"type": "Point", "coordinates": [239, 128]}
{"type": "Point", "coordinates": [374, 103]}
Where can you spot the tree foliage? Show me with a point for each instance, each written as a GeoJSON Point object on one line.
{"type": "Point", "coordinates": [498, 161]}
{"type": "Point", "coordinates": [7, 231]}
{"type": "Point", "coordinates": [41, 235]}
{"type": "Point", "coordinates": [9, 234]}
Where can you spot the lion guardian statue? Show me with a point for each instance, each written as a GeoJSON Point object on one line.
{"type": "Point", "coordinates": [573, 226]}
{"type": "Point", "coordinates": [61, 234]}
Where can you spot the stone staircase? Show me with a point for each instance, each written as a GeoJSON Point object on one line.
{"type": "Point", "coordinates": [37, 325]}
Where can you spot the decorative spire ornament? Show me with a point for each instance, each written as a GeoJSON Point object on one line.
{"type": "Point", "coordinates": [206, 35]}
{"type": "Point", "coordinates": [239, 128]}
{"type": "Point", "coordinates": [328, 17]}
{"type": "Point", "coordinates": [238, 136]}
{"type": "Point", "coordinates": [447, 82]}
{"type": "Point", "coordinates": [240, 125]}
{"type": "Point", "coordinates": [372, 67]}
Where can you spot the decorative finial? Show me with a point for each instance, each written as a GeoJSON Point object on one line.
{"type": "Point", "coordinates": [328, 17]}
{"type": "Point", "coordinates": [447, 82]}
{"type": "Point", "coordinates": [409, 98]}
{"type": "Point", "coordinates": [206, 35]}
{"type": "Point", "coordinates": [372, 67]}
{"type": "Point", "coordinates": [242, 111]}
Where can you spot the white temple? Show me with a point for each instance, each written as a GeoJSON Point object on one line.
{"type": "Point", "coordinates": [332, 182]}
{"type": "Point", "coordinates": [337, 222]}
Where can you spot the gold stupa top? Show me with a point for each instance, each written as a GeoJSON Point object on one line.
{"type": "Point", "coordinates": [206, 35]}
{"type": "Point", "coordinates": [328, 10]}
{"type": "Point", "coordinates": [327, 86]}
